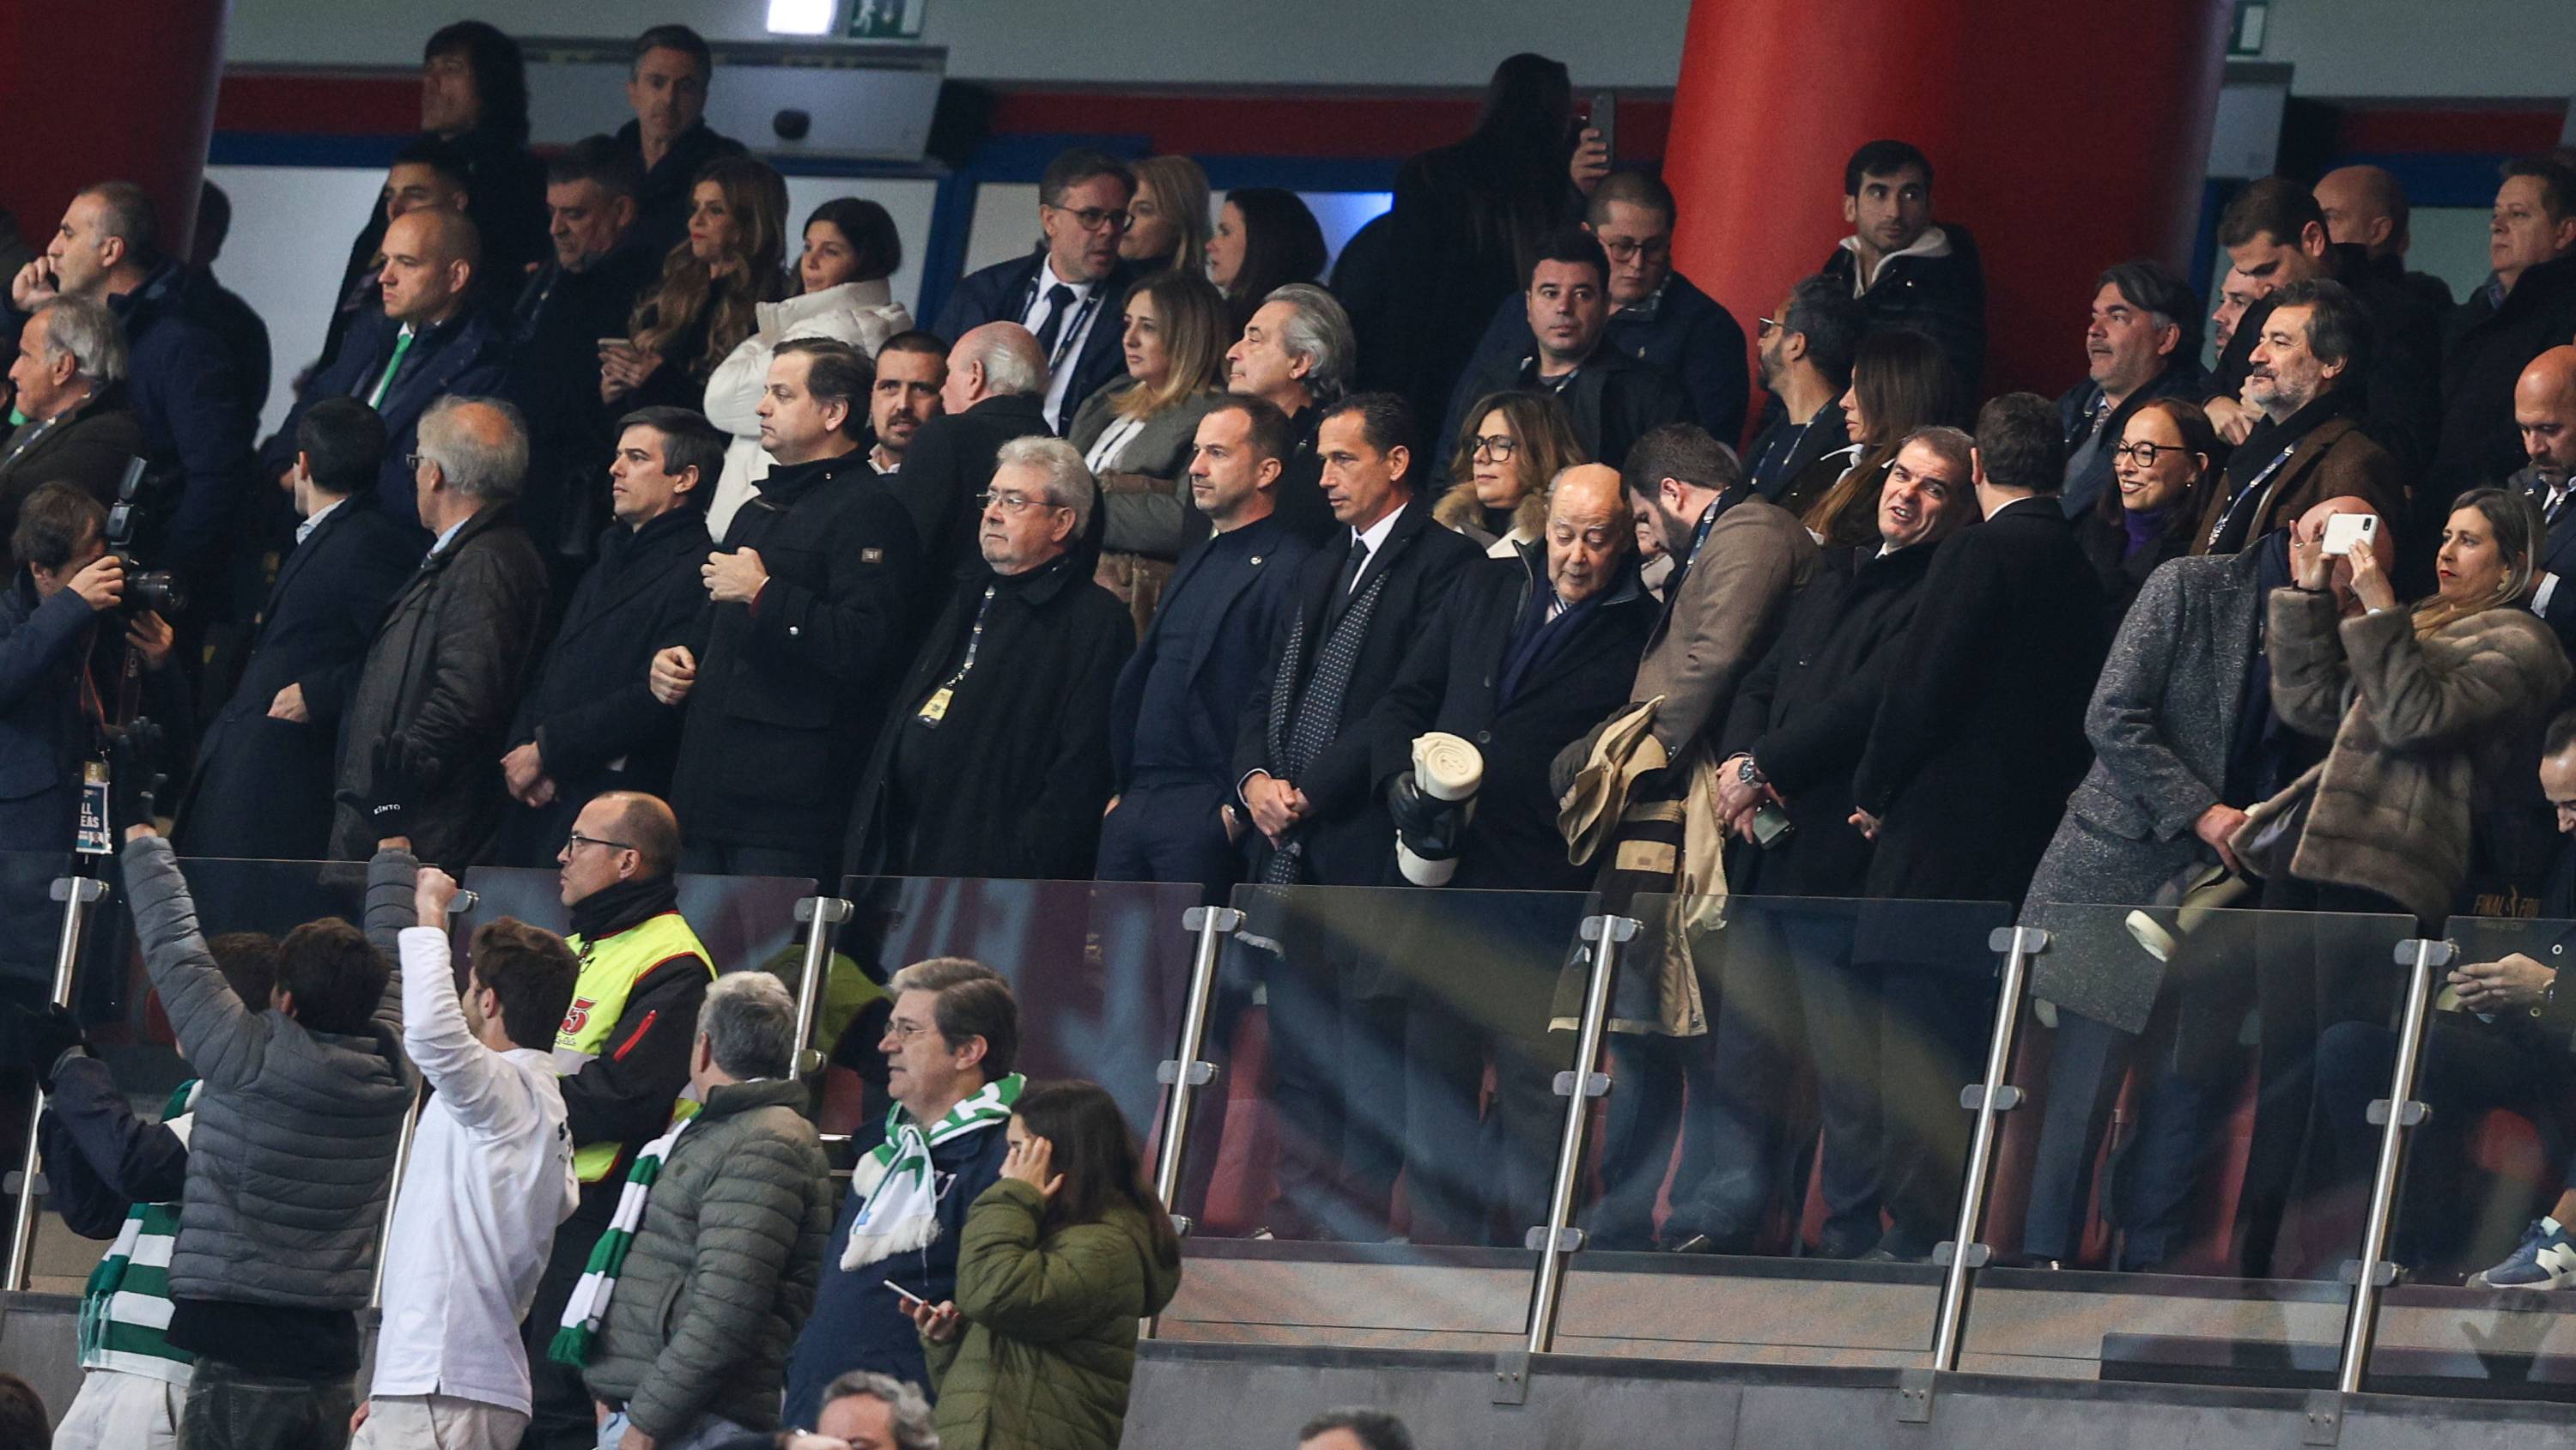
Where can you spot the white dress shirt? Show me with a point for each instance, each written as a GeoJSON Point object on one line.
{"type": "Point", "coordinates": [1374, 536]}
{"type": "Point", "coordinates": [1080, 316]}
{"type": "Point", "coordinates": [305, 529]}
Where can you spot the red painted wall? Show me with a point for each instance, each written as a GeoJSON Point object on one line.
{"type": "Point", "coordinates": [141, 112]}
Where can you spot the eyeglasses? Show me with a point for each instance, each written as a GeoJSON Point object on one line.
{"type": "Point", "coordinates": [1012, 503]}
{"type": "Point", "coordinates": [413, 461]}
{"type": "Point", "coordinates": [1625, 249]}
{"type": "Point", "coordinates": [1496, 446]}
{"type": "Point", "coordinates": [2144, 454]}
{"type": "Point", "coordinates": [902, 1031]}
{"type": "Point", "coordinates": [1764, 327]}
{"type": "Point", "coordinates": [577, 840]}
{"type": "Point", "coordinates": [1092, 218]}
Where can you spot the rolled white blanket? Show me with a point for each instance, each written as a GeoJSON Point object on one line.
{"type": "Point", "coordinates": [1447, 767]}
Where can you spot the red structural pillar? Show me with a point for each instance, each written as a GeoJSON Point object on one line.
{"type": "Point", "coordinates": [107, 89]}
{"type": "Point", "coordinates": [2066, 137]}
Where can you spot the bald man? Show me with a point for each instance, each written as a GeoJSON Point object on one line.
{"type": "Point", "coordinates": [996, 390]}
{"type": "Point", "coordinates": [1529, 654]}
{"type": "Point", "coordinates": [432, 338]}
{"type": "Point", "coordinates": [2544, 414]}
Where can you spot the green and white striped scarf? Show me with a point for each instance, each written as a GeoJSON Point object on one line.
{"type": "Point", "coordinates": [125, 1307]}
{"type": "Point", "coordinates": [900, 1196]}
{"type": "Point", "coordinates": [589, 1303]}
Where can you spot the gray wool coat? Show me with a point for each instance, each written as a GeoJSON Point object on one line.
{"type": "Point", "coordinates": [291, 1158]}
{"type": "Point", "coordinates": [2421, 727]}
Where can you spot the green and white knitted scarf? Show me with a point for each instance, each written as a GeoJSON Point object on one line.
{"type": "Point", "coordinates": [589, 1303]}
{"type": "Point", "coordinates": [125, 1307]}
{"type": "Point", "coordinates": [900, 1195]}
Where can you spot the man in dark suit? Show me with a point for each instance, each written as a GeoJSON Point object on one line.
{"type": "Point", "coordinates": [429, 341]}
{"type": "Point", "coordinates": [1905, 270]}
{"type": "Point", "coordinates": [1528, 654]}
{"type": "Point", "coordinates": [1063, 291]}
{"type": "Point", "coordinates": [262, 786]}
{"type": "Point", "coordinates": [589, 723]}
{"type": "Point", "coordinates": [1805, 358]}
{"type": "Point", "coordinates": [669, 139]}
{"type": "Point", "coordinates": [1304, 780]}
{"type": "Point", "coordinates": [2529, 305]}
{"type": "Point", "coordinates": [2142, 343]}
{"type": "Point", "coordinates": [2544, 410]}
{"type": "Point", "coordinates": [67, 382]}
{"type": "Point", "coordinates": [1977, 741]}
{"type": "Point", "coordinates": [996, 380]}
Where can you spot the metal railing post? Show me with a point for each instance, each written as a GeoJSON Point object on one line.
{"type": "Point", "coordinates": [77, 894]}
{"type": "Point", "coordinates": [818, 912]}
{"type": "Point", "coordinates": [458, 905]}
{"type": "Point", "coordinates": [2395, 1115]}
{"type": "Point", "coordinates": [1988, 1099]}
{"type": "Point", "coordinates": [1578, 1085]}
{"type": "Point", "coordinates": [1185, 1073]}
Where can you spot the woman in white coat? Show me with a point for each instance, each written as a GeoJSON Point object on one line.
{"type": "Point", "coordinates": [850, 250]}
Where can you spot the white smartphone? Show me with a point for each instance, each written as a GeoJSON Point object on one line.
{"type": "Point", "coordinates": [2346, 532]}
{"type": "Point", "coordinates": [907, 1295]}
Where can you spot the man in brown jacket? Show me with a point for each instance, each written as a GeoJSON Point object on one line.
{"type": "Point", "coordinates": [2308, 445]}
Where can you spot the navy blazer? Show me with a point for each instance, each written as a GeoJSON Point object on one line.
{"type": "Point", "coordinates": [1000, 293]}
{"type": "Point", "coordinates": [1248, 595]}
{"type": "Point", "coordinates": [468, 353]}
{"type": "Point", "coordinates": [2557, 556]}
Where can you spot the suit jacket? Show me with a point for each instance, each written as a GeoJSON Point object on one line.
{"type": "Point", "coordinates": [999, 293]}
{"type": "Point", "coordinates": [1681, 332]}
{"type": "Point", "coordinates": [2331, 460]}
{"type": "Point", "coordinates": [2400, 394]}
{"type": "Point", "coordinates": [198, 420]}
{"type": "Point", "coordinates": [42, 734]}
{"type": "Point", "coordinates": [1804, 714]}
{"type": "Point", "coordinates": [2557, 555]}
{"type": "Point", "coordinates": [1981, 732]}
{"type": "Point", "coordinates": [89, 447]}
{"type": "Point", "coordinates": [468, 353]}
{"type": "Point", "coordinates": [1349, 837]}
{"type": "Point", "coordinates": [2486, 349]}
{"type": "Point", "coordinates": [444, 671]}
{"type": "Point", "coordinates": [2181, 378]}
{"type": "Point", "coordinates": [1450, 683]}
{"type": "Point", "coordinates": [1717, 622]}
{"type": "Point", "coordinates": [555, 328]}
{"type": "Point", "coordinates": [1247, 594]}
{"type": "Point", "coordinates": [1612, 398]}
{"type": "Point", "coordinates": [950, 461]}
{"type": "Point", "coordinates": [262, 787]}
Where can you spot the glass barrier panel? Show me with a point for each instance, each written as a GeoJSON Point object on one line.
{"type": "Point", "coordinates": [1783, 1145]}
{"type": "Point", "coordinates": [30, 925]}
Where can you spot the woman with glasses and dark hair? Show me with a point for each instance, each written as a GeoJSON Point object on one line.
{"type": "Point", "coordinates": [2163, 459]}
{"type": "Point", "coordinates": [1900, 381]}
{"type": "Point", "coordinates": [709, 295]}
{"type": "Point", "coordinates": [1265, 238]}
{"type": "Point", "coordinates": [1509, 449]}
{"type": "Point", "coordinates": [1137, 434]}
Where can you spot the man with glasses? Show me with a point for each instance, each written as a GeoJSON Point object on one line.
{"type": "Point", "coordinates": [995, 761]}
{"type": "Point", "coordinates": [623, 1053]}
{"type": "Point", "coordinates": [1658, 317]}
{"type": "Point", "coordinates": [1060, 291]}
{"type": "Point", "coordinates": [1805, 353]}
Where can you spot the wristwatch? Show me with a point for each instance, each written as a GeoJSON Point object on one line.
{"type": "Point", "coordinates": [1749, 773]}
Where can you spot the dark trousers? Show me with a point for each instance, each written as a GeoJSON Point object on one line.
{"type": "Point", "coordinates": [1170, 833]}
{"type": "Point", "coordinates": [2150, 1184]}
{"type": "Point", "coordinates": [1932, 1034]}
{"type": "Point", "coordinates": [1744, 1099]}
{"type": "Point", "coordinates": [1654, 1081]}
{"type": "Point", "coordinates": [1306, 1088]}
{"type": "Point", "coordinates": [1374, 1109]}
{"type": "Point", "coordinates": [715, 858]}
{"type": "Point", "coordinates": [559, 1414]}
{"type": "Point", "coordinates": [1840, 1002]}
{"type": "Point", "coordinates": [233, 1409]}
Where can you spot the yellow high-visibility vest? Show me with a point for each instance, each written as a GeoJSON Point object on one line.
{"type": "Point", "coordinates": [610, 968]}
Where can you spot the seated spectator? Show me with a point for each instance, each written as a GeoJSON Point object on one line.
{"type": "Point", "coordinates": [949, 1046]}
{"type": "Point", "coordinates": [112, 1175]}
{"type": "Point", "coordinates": [291, 1160]}
{"type": "Point", "coordinates": [912, 372]}
{"type": "Point", "coordinates": [669, 137]}
{"type": "Point", "coordinates": [2544, 410]}
{"type": "Point", "coordinates": [850, 250]}
{"type": "Point", "coordinates": [2163, 463]}
{"type": "Point", "coordinates": [1900, 382]}
{"type": "Point", "coordinates": [1265, 238]}
{"type": "Point", "coordinates": [1061, 291]}
{"type": "Point", "coordinates": [1355, 1429]}
{"type": "Point", "coordinates": [68, 382]}
{"type": "Point", "coordinates": [1136, 434]}
{"type": "Point", "coordinates": [739, 1195]}
{"type": "Point", "coordinates": [1296, 355]}
{"type": "Point", "coordinates": [1168, 218]}
{"type": "Point", "coordinates": [1805, 359]}
{"type": "Point", "coordinates": [587, 722]}
{"type": "Point", "coordinates": [809, 614]}
{"type": "Point", "coordinates": [2529, 308]}
{"type": "Point", "coordinates": [1060, 1260]}
{"type": "Point", "coordinates": [994, 391]}
{"type": "Point", "coordinates": [994, 760]}
{"type": "Point", "coordinates": [2366, 207]}
{"type": "Point", "coordinates": [2427, 710]}
{"type": "Point", "coordinates": [1657, 317]}
{"type": "Point", "coordinates": [426, 173]}
{"type": "Point", "coordinates": [1611, 398]}
{"type": "Point", "coordinates": [862, 1411]}
{"type": "Point", "coordinates": [2304, 380]}
{"type": "Point", "coordinates": [432, 340]}
{"type": "Point", "coordinates": [2143, 343]}
{"type": "Point", "coordinates": [488, 1179]}
{"type": "Point", "coordinates": [420, 739]}
{"type": "Point", "coordinates": [1508, 448]}
{"type": "Point", "coordinates": [1905, 270]}
{"type": "Point", "coordinates": [708, 297]}
{"type": "Point", "coordinates": [65, 581]}
{"type": "Point", "coordinates": [262, 785]}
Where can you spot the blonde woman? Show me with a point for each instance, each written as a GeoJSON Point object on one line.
{"type": "Point", "coordinates": [1137, 433]}
{"type": "Point", "coordinates": [1511, 446]}
{"type": "Point", "coordinates": [1170, 211]}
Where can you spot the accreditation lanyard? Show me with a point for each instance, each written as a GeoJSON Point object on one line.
{"type": "Point", "coordinates": [2253, 488]}
{"type": "Point", "coordinates": [1073, 325]}
{"type": "Point", "coordinates": [935, 709]}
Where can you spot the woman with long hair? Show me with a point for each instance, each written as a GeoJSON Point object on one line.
{"type": "Point", "coordinates": [851, 248]}
{"type": "Point", "coordinates": [1901, 381]}
{"type": "Point", "coordinates": [1265, 238]}
{"type": "Point", "coordinates": [1060, 1259]}
{"type": "Point", "coordinates": [1168, 224]}
{"type": "Point", "coordinates": [2166, 454]}
{"type": "Point", "coordinates": [1510, 447]}
{"type": "Point", "coordinates": [711, 284]}
{"type": "Point", "coordinates": [1137, 433]}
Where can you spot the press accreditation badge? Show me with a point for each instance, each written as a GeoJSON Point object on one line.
{"type": "Point", "coordinates": [933, 710]}
{"type": "Point", "coordinates": [94, 838]}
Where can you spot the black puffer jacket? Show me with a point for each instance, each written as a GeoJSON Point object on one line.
{"type": "Point", "coordinates": [1943, 297]}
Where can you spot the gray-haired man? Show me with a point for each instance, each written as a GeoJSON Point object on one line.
{"type": "Point", "coordinates": [1296, 354]}
{"type": "Point", "coordinates": [79, 430]}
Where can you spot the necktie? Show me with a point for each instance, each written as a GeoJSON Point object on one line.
{"type": "Point", "coordinates": [1350, 576]}
{"type": "Point", "coordinates": [384, 385]}
{"type": "Point", "coordinates": [1059, 300]}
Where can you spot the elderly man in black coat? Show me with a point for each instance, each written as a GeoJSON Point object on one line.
{"type": "Point", "coordinates": [590, 723]}
{"type": "Point", "coordinates": [1306, 780]}
{"type": "Point", "coordinates": [994, 761]}
{"type": "Point", "coordinates": [264, 777]}
{"type": "Point", "coordinates": [1528, 654]}
{"type": "Point", "coordinates": [1977, 741]}
{"type": "Point", "coordinates": [420, 742]}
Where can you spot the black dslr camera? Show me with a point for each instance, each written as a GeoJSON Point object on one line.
{"type": "Point", "coordinates": [156, 591]}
